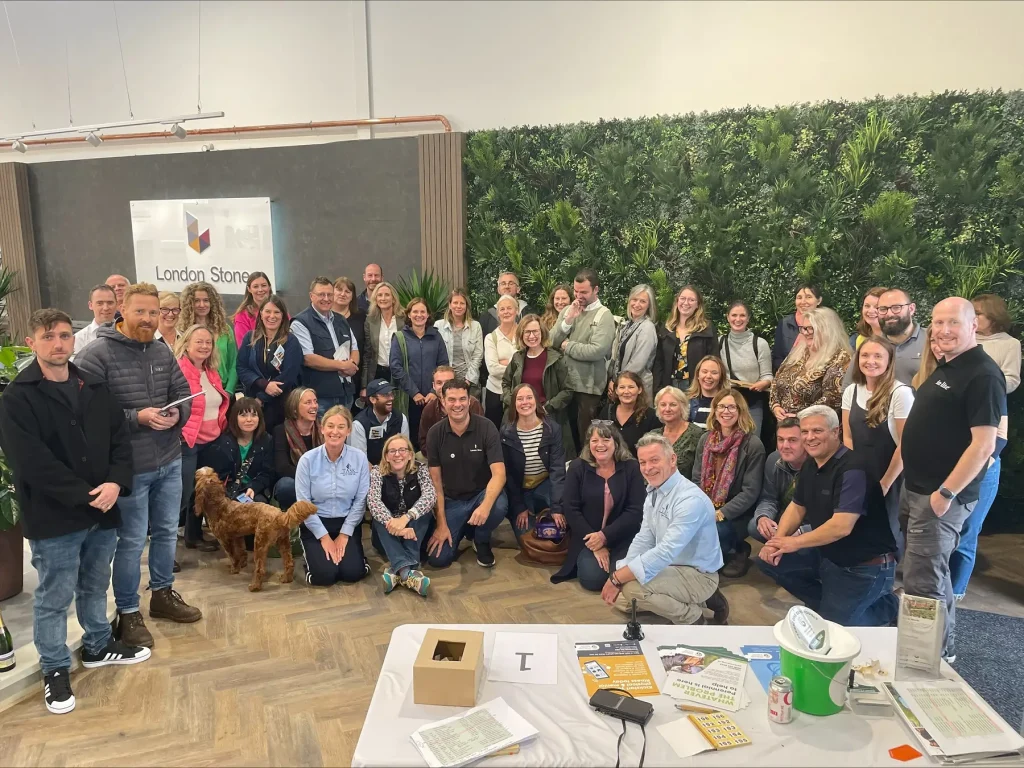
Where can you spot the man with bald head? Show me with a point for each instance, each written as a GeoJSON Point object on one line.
{"type": "Point", "coordinates": [373, 276]}
{"type": "Point", "coordinates": [120, 284]}
{"type": "Point", "coordinates": [947, 441]}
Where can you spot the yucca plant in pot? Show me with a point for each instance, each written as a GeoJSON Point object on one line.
{"type": "Point", "coordinates": [431, 288]}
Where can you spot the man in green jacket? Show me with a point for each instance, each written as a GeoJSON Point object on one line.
{"type": "Point", "coordinates": [584, 332]}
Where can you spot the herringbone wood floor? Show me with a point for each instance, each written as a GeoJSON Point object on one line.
{"type": "Point", "coordinates": [284, 677]}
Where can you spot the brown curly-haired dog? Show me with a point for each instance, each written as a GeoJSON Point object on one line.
{"type": "Point", "coordinates": [230, 521]}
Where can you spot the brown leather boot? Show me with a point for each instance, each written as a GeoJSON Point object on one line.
{"type": "Point", "coordinates": [167, 604]}
{"type": "Point", "coordinates": [130, 629]}
{"type": "Point", "coordinates": [719, 606]}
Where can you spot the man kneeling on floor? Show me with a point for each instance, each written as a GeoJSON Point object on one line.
{"type": "Point", "coordinates": [67, 442]}
{"type": "Point", "coordinates": [671, 568]}
{"type": "Point", "coordinates": [844, 567]}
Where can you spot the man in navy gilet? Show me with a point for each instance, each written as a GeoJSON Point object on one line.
{"type": "Point", "coordinates": [330, 352]}
{"type": "Point", "coordinates": [374, 425]}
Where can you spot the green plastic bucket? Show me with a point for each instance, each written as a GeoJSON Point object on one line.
{"type": "Point", "coordinates": [819, 680]}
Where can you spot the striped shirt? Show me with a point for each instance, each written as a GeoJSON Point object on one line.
{"type": "Point", "coordinates": [530, 438]}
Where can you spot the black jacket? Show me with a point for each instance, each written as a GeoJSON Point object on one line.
{"type": "Point", "coordinates": [702, 343]}
{"type": "Point", "coordinates": [583, 507]}
{"type": "Point", "coordinates": [223, 456]}
{"type": "Point", "coordinates": [551, 453]}
{"type": "Point", "coordinates": [785, 337]}
{"type": "Point", "coordinates": [58, 456]}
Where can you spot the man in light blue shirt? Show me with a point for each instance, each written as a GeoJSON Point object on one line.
{"type": "Point", "coordinates": [671, 568]}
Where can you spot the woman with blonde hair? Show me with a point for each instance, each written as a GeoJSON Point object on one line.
{"type": "Point", "coordinates": [636, 341]}
{"type": "Point", "coordinates": [729, 468]}
{"type": "Point", "coordinates": [499, 348]}
{"type": "Point", "coordinates": [686, 339]}
{"type": "Point", "coordinates": [383, 320]}
{"type": "Point", "coordinates": [401, 503]}
{"type": "Point", "coordinates": [708, 381]}
{"type": "Point", "coordinates": [812, 373]}
{"type": "Point", "coordinates": [463, 337]}
{"type": "Point", "coordinates": [929, 360]}
{"type": "Point", "coordinates": [201, 304]}
{"type": "Point", "coordinates": [867, 326]}
{"type": "Point", "coordinates": [170, 311]}
{"type": "Point", "coordinates": [673, 409]}
{"type": "Point", "coordinates": [559, 298]}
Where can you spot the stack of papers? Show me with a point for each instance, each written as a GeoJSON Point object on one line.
{"type": "Point", "coordinates": [952, 723]}
{"type": "Point", "coordinates": [478, 732]}
{"type": "Point", "coordinates": [765, 662]}
{"type": "Point", "coordinates": [708, 676]}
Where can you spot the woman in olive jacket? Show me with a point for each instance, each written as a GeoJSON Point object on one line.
{"type": "Point", "coordinates": [605, 461]}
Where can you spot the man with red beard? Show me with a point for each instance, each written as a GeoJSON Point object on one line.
{"type": "Point", "coordinates": [144, 377]}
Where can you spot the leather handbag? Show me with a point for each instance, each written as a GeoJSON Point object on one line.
{"type": "Point", "coordinates": [539, 547]}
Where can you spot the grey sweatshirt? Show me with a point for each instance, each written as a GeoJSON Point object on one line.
{"type": "Point", "coordinates": [741, 362]}
{"type": "Point", "coordinates": [1005, 350]}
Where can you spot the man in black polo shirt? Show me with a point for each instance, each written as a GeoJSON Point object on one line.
{"type": "Point", "coordinates": [947, 440]}
{"type": "Point", "coordinates": [464, 455]}
{"type": "Point", "coordinates": [843, 568]}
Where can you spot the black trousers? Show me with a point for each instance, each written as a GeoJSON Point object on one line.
{"type": "Point", "coordinates": [493, 409]}
{"type": "Point", "coordinates": [320, 571]}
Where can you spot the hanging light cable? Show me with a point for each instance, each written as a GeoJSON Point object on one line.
{"type": "Point", "coordinates": [124, 71]}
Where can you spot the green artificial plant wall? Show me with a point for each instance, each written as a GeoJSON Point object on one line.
{"type": "Point", "coordinates": [925, 193]}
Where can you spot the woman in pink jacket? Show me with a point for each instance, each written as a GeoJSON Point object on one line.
{"type": "Point", "coordinates": [197, 358]}
{"type": "Point", "coordinates": [257, 288]}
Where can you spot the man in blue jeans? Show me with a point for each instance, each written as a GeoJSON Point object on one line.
{"type": "Point", "coordinates": [67, 442]}
{"type": "Point", "coordinates": [145, 378]}
{"type": "Point", "coordinates": [468, 471]}
{"type": "Point", "coordinates": [846, 563]}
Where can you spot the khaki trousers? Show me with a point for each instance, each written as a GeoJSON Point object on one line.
{"type": "Point", "coordinates": [677, 593]}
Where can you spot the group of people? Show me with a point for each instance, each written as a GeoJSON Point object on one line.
{"type": "Point", "coordinates": [639, 441]}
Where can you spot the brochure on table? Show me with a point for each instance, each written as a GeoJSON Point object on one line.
{"type": "Point", "coordinates": [616, 664]}
{"type": "Point", "coordinates": [467, 737]}
{"type": "Point", "coordinates": [710, 676]}
{"type": "Point", "coordinates": [919, 638]}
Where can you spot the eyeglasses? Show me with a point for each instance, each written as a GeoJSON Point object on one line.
{"type": "Point", "coordinates": [531, 333]}
{"type": "Point", "coordinates": [397, 451]}
{"type": "Point", "coordinates": [324, 295]}
{"type": "Point", "coordinates": [726, 408]}
{"type": "Point", "coordinates": [171, 312]}
{"type": "Point", "coordinates": [894, 309]}
{"type": "Point", "coordinates": [603, 422]}
{"type": "Point", "coordinates": [806, 330]}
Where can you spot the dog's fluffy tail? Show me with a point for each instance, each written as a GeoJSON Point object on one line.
{"type": "Point", "coordinates": [298, 512]}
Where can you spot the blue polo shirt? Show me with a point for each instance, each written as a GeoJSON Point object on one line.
{"type": "Point", "coordinates": [337, 488]}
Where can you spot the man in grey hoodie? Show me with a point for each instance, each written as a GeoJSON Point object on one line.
{"type": "Point", "coordinates": [144, 377]}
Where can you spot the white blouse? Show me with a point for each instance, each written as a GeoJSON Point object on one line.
{"type": "Point", "coordinates": [497, 346]}
{"type": "Point", "coordinates": [899, 406]}
{"type": "Point", "coordinates": [387, 330]}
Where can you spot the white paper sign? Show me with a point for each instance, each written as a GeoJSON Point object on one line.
{"type": "Point", "coordinates": [524, 657]}
{"type": "Point", "coordinates": [219, 241]}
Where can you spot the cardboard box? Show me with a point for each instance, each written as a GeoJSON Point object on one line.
{"type": "Point", "coordinates": [448, 683]}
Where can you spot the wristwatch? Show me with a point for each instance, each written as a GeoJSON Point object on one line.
{"type": "Point", "coordinates": [945, 493]}
{"type": "Point", "coordinates": [615, 582]}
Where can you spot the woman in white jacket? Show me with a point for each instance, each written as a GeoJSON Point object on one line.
{"type": "Point", "coordinates": [463, 337]}
{"type": "Point", "coordinates": [499, 346]}
{"type": "Point", "coordinates": [637, 340]}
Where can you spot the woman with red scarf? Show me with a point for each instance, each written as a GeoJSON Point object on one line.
{"type": "Point", "coordinates": [729, 468]}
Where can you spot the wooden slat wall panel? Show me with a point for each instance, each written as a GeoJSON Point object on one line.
{"type": "Point", "coordinates": [17, 246]}
{"type": "Point", "coordinates": [442, 206]}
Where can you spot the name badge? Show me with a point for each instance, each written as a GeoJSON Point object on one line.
{"type": "Point", "coordinates": [278, 359]}
{"type": "Point", "coordinates": [376, 433]}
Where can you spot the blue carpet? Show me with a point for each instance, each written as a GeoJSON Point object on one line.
{"type": "Point", "coordinates": [988, 656]}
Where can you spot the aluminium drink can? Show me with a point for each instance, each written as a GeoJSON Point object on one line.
{"type": "Point", "coordinates": [780, 700]}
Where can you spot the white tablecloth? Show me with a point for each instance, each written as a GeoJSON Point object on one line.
{"type": "Point", "coordinates": [572, 733]}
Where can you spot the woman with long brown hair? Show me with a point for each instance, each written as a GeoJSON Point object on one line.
{"type": "Point", "coordinates": [257, 289]}
{"type": "Point", "coordinates": [299, 433]}
{"type": "Point", "coordinates": [270, 360]}
{"type": "Point", "coordinates": [201, 304]}
{"type": "Point", "coordinates": [559, 298]}
{"type": "Point", "coordinates": [632, 412]}
{"type": "Point", "coordinates": [875, 408]}
{"type": "Point", "coordinates": [867, 326]}
{"type": "Point", "coordinates": [686, 339]}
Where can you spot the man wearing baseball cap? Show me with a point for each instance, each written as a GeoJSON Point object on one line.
{"type": "Point", "coordinates": [374, 425]}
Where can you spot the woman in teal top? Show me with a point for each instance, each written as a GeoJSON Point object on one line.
{"type": "Point", "coordinates": [201, 304]}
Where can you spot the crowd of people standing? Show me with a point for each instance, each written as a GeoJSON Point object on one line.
{"type": "Point", "coordinates": [632, 448]}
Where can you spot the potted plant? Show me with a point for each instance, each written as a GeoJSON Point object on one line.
{"type": "Point", "coordinates": [12, 548]}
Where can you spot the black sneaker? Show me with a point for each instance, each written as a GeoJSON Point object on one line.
{"type": "Point", "coordinates": [57, 692]}
{"type": "Point", "coordinates": [116, 652]}
{"type": "Point", "coordinates": [484, 555]}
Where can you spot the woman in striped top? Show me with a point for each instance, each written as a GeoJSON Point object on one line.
{"type": "Point", "coordinates": [534, 461]}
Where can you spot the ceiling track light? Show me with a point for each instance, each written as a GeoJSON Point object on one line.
{"type": "Point", "coordinates": [94, 138]}
{"type": "Point", "coordinates": [179, 130]}
{"type": "Point", "coordinates": [86, 129]}
{"type": "Point", "coordinates": [19, 146]}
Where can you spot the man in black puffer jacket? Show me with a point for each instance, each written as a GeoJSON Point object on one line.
{"type": "Point", "coordinates": [144, 377]}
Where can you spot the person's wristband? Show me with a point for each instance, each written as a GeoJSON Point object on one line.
{"type": "Point", "coordinates": [615, 582]}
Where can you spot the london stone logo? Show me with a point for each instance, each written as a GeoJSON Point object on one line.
{"type": "Point", "coordinates": [197, 241]}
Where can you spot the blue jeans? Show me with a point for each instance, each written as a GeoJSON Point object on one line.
{"type": "Point", "coordinates": [535, 500]}
{"type": "Point", "coordinates": [855, 596]}
{"type": "Point", "coordinates": [404, 553]}
{"type": "Point", "coordinates": [589, 573]}
{"type": "Point", "coordinates": [326, 403]}
{"type": "Point", "coordinates": [961, 562]}
{"type": "Point", "coordinates": [730, 534]}
{"type": "Point", "coordinates": [155, 502]}
{"type": "Point", "coordinates": [75, 565]}
{"type": "Point", "coordinates": [284, 492]}
{"type": "Point", "coordinates": [457, 514]}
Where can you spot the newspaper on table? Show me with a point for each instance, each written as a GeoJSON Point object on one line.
{"type": "Point", "coordinates": [474, 734]}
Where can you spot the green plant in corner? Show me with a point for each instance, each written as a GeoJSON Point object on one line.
{"type": "Point", "coordinates": [9, 510]}
{"type": "Point", "coordinates": [429, 287]}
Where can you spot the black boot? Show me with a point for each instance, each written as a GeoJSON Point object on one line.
{"type": "Point", "coordinates": [718, 605]}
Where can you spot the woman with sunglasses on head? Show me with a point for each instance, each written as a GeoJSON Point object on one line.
{"type": "Point", "coordinates": [170, 311]}
{"type": "Point", "coordinates": [201, 304]}
{"type": "Point", "coordinates": [686, 339]}
{"type": "Point", "coordinates": [729, 468]}
{"type": "Point", "coordinates": [603, 504]}
{"type": "Point", "coordinates": [806, 298]}
{"type": "Point", "coordinates": [401, 502]}
{"type": "Point", "coordinates": [270, 360]}
{"type": "Point", "coordinates": [748, 361]}
{"type": "Point", "coordinates": [875, 408]}
{"type": "Point", "coordinates": [257, 290]}
{"type": "Point", "coordinates": [812, 373]}
{"type": "Point", "coordinates": [710, 379]}
{"type": "Point", "coordinates": [631, 412]}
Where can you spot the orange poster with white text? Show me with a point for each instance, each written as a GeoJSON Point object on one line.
{"type": "Point", "coordinates": [617, 664]}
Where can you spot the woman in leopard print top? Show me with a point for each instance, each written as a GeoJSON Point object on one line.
{"type": "Point", "coordinates": [813, 371]}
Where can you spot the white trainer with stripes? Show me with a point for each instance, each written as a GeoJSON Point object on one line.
{"type": "Point", "coordinates": [116, 652]}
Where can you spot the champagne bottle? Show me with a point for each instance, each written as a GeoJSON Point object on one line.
{"type": "Point", "coordinates": [6, 647]}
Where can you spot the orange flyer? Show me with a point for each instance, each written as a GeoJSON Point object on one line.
{"type": "Point", "coordinates": [617, 664]}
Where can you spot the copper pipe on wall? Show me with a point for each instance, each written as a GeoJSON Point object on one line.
{"type": "Point", "coordinates": [240, 129]}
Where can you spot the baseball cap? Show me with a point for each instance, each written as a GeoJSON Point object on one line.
{"type": "Point", "coordinates": [379, 387]}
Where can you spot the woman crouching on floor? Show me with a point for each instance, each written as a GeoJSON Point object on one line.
{"type": "Point", "coordinates": [401, 501]}
{"type": "Point", "coordinates": [335, 478]}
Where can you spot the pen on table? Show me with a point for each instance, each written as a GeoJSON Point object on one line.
{"type": "Point", "coordinates": [695, 708]}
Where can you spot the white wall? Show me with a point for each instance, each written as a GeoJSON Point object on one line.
{"type": "Point", "coordinates": [482, 64]}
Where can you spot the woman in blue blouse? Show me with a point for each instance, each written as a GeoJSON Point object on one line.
{"type": "Point", "coordinates": [336, 478]}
